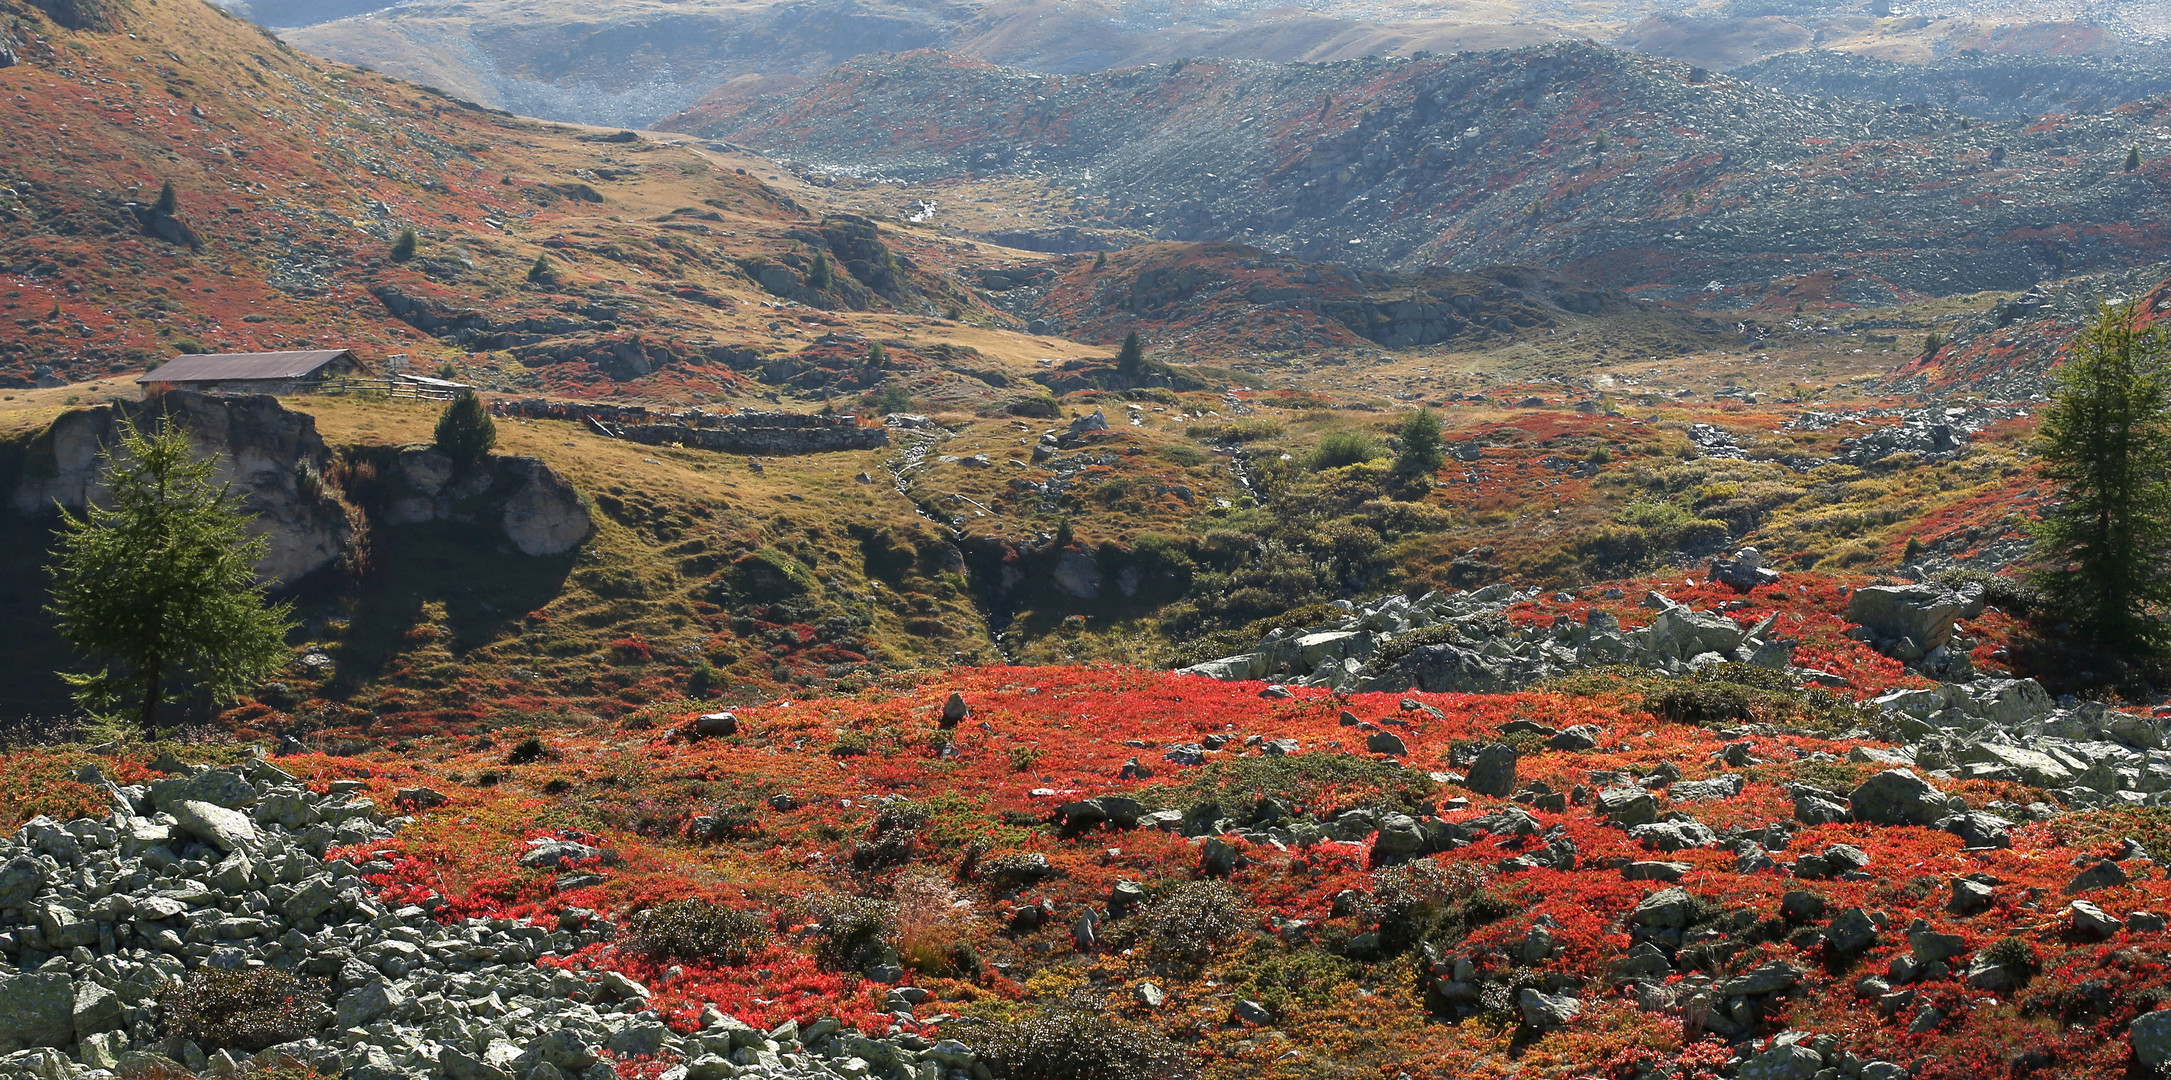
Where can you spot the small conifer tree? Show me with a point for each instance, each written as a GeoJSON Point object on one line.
{"type": "Point", "coordinates": [465, 432]}
{"type": "Point", "coordinates": [2105, 543]}
{"type": "Point", "coordinates": [877, 355]}
{"type": "Point", "coordinates": [403, 248]}
{"type": "Point", "coordinates": [821, 275]}
{"type": "Point", "coordinates": [1421, 450]}
{"type": "Point", "coordinates": [159, 585]}
{"type": "Point", "coordinates": [540, 273]}
{"type": "Point", "coordinates": [168, 201]}
{"type": "Point", "coordinates": [2133, 159]}
{"type": "Point", "coordinates": [1131, 359]}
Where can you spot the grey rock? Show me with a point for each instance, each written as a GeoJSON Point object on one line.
{"type": "Point", "coordinates": [1979, 830]}
{"type": "Point", "coordinates": [1629, 806]}
{"type": "Point", "coordinates": [1544, 1012]}
{"type": "Point", "coordinates": [1664, 909]}
{"type": "Point", "coordinates": [2103, 875]}
{"type": "Point", "coordinates": [1788, 1062]}
{"type": "Point", "coordinates": [96, 1009]}
{"type": "Point", "coordinates": [1674, 835]}
{"type": "Point", "coordinates": [1655, 871]}
{"type": "Point", "coordinates": [2150, 1036]}
{"type": "Point", "coordinates": [2089, 922]}
{"type": "Point", "coordinates": [1386, 742]}
{"type": "Point", "coordinates": [219, 787]}
{"type": "Point", "coordinates": [716, 725]}
{"type": "Point", "coordinates": [1928, 947]}
{"type": "Point", "coordinates": [1969, 897]}
{"type": "Point", "coordinates": [1851, 932]}
{"type": "Point", "coordinates": [369, 1001]}
{"type": "Point", "coordinates": [37, 1010]}
{"type": "Point", "coordinates": [1493, 773]}
{"type": "Point", "coordinates": [1897, 797]}
{"type": "Point", "coordinates": [224, 829]}
{"type": "Point", "coordinates": [1811, 808]}
{"type": "Point", "coordinates": [21, 879]}
{"type": "Point", "coordinates": [1766, 979]}
{"type": "Point", "coordinates": [1922, 613]}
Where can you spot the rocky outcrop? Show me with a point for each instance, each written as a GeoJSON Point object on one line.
{"type": "Point", "coordinates": [1462, 643]}
{"type": "Point", "coordinates": [533, 508]}
{"type": "Point", "coordinates": [271, 455]}
{"type": "Point", "coordinates": [1914, 624]}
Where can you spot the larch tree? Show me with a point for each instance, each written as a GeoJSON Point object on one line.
{"type": "Point", "coordinates": [157, 587]}
{"type": "Point", "coordinates": [2105, 541]}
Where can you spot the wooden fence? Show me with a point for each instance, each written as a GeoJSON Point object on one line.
{"type": "Point", "coordinates": [392, 388]}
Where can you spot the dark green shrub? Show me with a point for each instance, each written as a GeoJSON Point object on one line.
{"type": "Point", "coordinates": [893, 838]}
{"type": "Point", "coordinates": [1422, 450]}
{"type": "Point", "coordinates": [696, 930]}
{"type": "Point", "coordinates": [1345, 447]}
{"type": "Point", "coordinates": [2016, 955]}
{"type": "Point", "coordinates": [526, 750]}
{"type": "Point", "coordinates": [853, 929]}
{"type": "Point", "coordinates": [1078, 1043]}
{"type": "Point", "coordinates": [465, 432]}
{"type": "Point", "coordinates": [1724, 695]}
{"type": "Point", "coordinates": [403, 248]}
{"type": "Point", "coordinates": [249, 1009]}
{"type": "Point", "coordinates": [1424, 901]}
{"type": "Point", "coordinates": [1234, 431]}
{"type": "Point", "coordinates": [2010, 595]}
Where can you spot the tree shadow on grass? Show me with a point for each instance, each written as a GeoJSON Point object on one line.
{"type": "Point", "coordinates": [486, 590]}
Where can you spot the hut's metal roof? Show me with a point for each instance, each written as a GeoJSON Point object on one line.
{"type": "Point", "coordinates": [216, 367]}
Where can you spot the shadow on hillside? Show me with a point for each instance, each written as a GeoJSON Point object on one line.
{"type": "Point", "coordinates": [485, 591]}
{"type": "Point", "coordinates": [29, 686]}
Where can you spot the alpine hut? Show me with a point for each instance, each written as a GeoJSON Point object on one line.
{"type": "Point", "coordinates": [274, 373]}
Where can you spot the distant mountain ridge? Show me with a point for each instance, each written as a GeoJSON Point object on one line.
{"type": "Point", "coordinates": [1629, 171]}
{"type": "Point", "coordinates": [2000, 87]}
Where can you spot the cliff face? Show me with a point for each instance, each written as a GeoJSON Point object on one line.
{"type": "Point", "coordinates": [271, 455]}
{"type": "Point", "coordinates": [532, 507]}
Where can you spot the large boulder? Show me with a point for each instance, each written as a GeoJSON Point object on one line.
{"type": "Point", "coordinates": [1897, 797]}
{"type": "Point", "coordinates": [224, 829]}
{"type": "Point", "coordinates": [1494, 771]}
{"type": "Point", "coordinates": [1922, 614]}
{"type": "Point", "coordinates": [2151, 1038]}
{"type": "Point", "coordinates": [543, 515]}
{"type": "Point", "coordinates": [37, 1010]}
{"type": "Point", "coordinates": [1683, 633]}
{"type": "Point", "coordinates": [533, 508]}
{"type": "Point", "coordinates": [271, 455]}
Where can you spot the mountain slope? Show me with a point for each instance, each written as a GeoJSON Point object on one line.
{"type": "Point", "coordinates": [292, 179]}
{"type": "Point", "coordinates": [1630, 171]}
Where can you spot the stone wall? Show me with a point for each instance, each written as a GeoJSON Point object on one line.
{"type": "Point", "coordinates": [769, 434]}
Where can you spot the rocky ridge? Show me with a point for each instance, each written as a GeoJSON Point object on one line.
{"type": "Point", "coordinates": [107, 923]}
{"type": "Point", "coordinates": [1994, 87]}
{"type": "Point", "coordinates": [1630, 171]}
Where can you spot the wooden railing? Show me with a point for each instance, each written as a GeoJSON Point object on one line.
{"type": "Point", "coordinates": [390, 388]}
